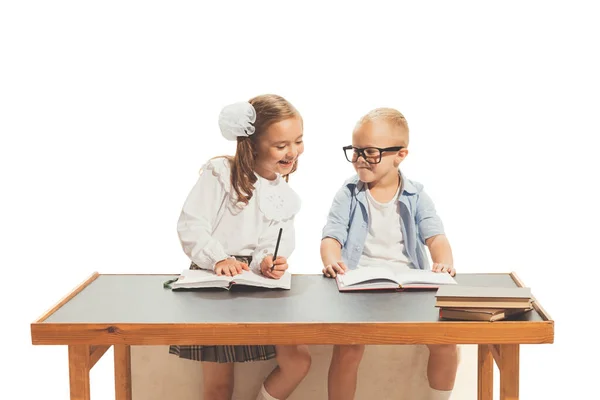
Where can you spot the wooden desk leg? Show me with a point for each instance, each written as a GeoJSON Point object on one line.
{"type": "Point", "coordinates": [79, 371]}
{"type": "Point", "coordinates": [509, 372]}
{"type": "Point", "coordinates": [122, 372]}
{"type": "Point", "coordinates": [485, 373]}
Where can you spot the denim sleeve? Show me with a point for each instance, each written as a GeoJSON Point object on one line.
{"type": "Point", "coordinates": [428, 222]}
{"type": "Point", "coordinates": [339, 217]}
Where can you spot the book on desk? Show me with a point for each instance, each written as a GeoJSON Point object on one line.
{"type": "Point", "coordinates": [381, 278]}
{"type": "Point", "coordinates": [475, 303]}
{"type": "Point", "coordinates": [205, 279]}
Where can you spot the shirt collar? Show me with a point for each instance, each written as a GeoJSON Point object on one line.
{"type": "Point", "coordinates": [407, 187]}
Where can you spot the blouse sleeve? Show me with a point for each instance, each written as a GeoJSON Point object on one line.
{"type": "Point", "coordinates": [198, 217]}
{"type": "Point", "coordinates": [268, 242]}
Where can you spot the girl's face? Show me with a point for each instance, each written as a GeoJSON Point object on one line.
{"type": "Point", "coordinates": [279, 148]}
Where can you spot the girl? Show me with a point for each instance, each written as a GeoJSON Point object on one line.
{"type": "Point", "coordinates": [230, 222]}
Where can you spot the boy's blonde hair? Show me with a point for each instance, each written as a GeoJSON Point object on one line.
{"type": "Point", "coordinates": [389, 115]}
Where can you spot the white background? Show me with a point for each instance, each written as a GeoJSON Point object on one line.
{"type": "Point", "coordinates": [108, 109]}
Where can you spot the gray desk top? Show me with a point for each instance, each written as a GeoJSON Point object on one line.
{"type": "Point", "coordinates": [313, 298]}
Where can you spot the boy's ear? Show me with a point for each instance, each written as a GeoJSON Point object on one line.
{"type": "Point", "coordinates": [400, 156]}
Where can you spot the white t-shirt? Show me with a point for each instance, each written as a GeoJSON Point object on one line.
{"type": "Point", "coordinates": [214, 226]}
{"type": "Point", "coordinates": [384, 245]}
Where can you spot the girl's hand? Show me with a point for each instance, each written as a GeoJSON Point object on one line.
{"type": "Point", "coordinates": [230, 267]}
{"type": "Point", "coordinates": [280, 265]}
{"type": "Point", "coordinates": [439, 267]}
{"type": "Point", "coordinates": [331, 270]}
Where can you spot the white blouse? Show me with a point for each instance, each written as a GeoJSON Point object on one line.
{"type": "Point", "coordinates": [214, 226]}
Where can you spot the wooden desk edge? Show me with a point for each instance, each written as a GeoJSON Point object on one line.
{"type": "Point", "coordinates": [68, 297]}
{"type": "Point", "coordinates": [516, 332]}
{"type": "Point", "coordinates": [536, 305]}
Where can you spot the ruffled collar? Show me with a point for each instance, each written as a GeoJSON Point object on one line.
{"type": "Point", "coordinates": [276, 200]}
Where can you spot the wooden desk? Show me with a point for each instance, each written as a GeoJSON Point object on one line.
{"type": "Point", "coordinates": [126, 310]}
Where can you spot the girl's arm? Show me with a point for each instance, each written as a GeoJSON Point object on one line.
{"type": "Point", "coordinates": [268, 242]}
{"type": "Point", "coordinates": [196, 221]}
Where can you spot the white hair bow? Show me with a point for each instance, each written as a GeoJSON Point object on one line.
{"type": "Point", "coordinates": [237, 120]}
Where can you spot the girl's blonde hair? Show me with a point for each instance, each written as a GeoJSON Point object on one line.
{"type": "Point", "coordinates": [270, 109]}
{"type": "Point", "coordinates": [389, 115]}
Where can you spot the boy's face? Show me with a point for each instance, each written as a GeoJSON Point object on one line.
{"type": "Point", "coordinates": [378, 134]}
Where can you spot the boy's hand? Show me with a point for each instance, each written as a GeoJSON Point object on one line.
{"type": "Point", "coordinates": [336, 267]}
{"type": "Point", "coordinates": [439, 267]}
{"type": "Point", "coordinates": [230, 267]}
{"type": "Point", "coordinates": [279, 269]}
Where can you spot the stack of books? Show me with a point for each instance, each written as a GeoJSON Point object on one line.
{"type": "Point", "coordinates": [473, 303]}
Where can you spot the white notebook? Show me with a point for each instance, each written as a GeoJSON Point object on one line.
{"type": "Point", "coordinates": [200, 278]}
{"type": "Point", "coordinates": [369, 278]}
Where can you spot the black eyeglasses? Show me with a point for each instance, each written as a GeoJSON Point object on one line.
{"type": "Point", "coordinates": [372, 155]}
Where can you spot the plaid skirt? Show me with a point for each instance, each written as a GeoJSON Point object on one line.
{"type": "Point", "coordinates": [224, 354]}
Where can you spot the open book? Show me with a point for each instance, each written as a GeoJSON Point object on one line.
{"type": "Point", "coordinates": [200, 278]}
{"type": "Point", "coordinates": [369, 278]}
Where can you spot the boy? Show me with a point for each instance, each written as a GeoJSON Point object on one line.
{"type": "Point", "coordinates": [379, 217]}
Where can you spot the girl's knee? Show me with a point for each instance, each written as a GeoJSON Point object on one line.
{"type": "Point", "coordinates": [296, 358]}
{"type": "Point", "coordinates": [302, 359]}
{"type": "Point", "coordinates": [218, 390]}
{"type": "Point", "coordinates": [449, 350]}
{"type": "Point", "coordinates": [218, 380]}
{"type": "Point", "coordinates": [348, 354]}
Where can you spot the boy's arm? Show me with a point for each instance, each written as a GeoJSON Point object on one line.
{"type": "Point", "coordinates": [331, 255]}
{"type": "Point", "coordinates": [331, 251]}
{"type": "Point", "coordinates": [439, 247]}
{"type": "Point", "coordinates": [431, 232]}
{"type": "Point", "coordinates": [335, 233]}
{"type": "Point", "coordinates": [441, 254]}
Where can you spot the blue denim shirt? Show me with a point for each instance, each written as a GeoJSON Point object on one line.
{"type": "Point", "coordinates": [348, 221]}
